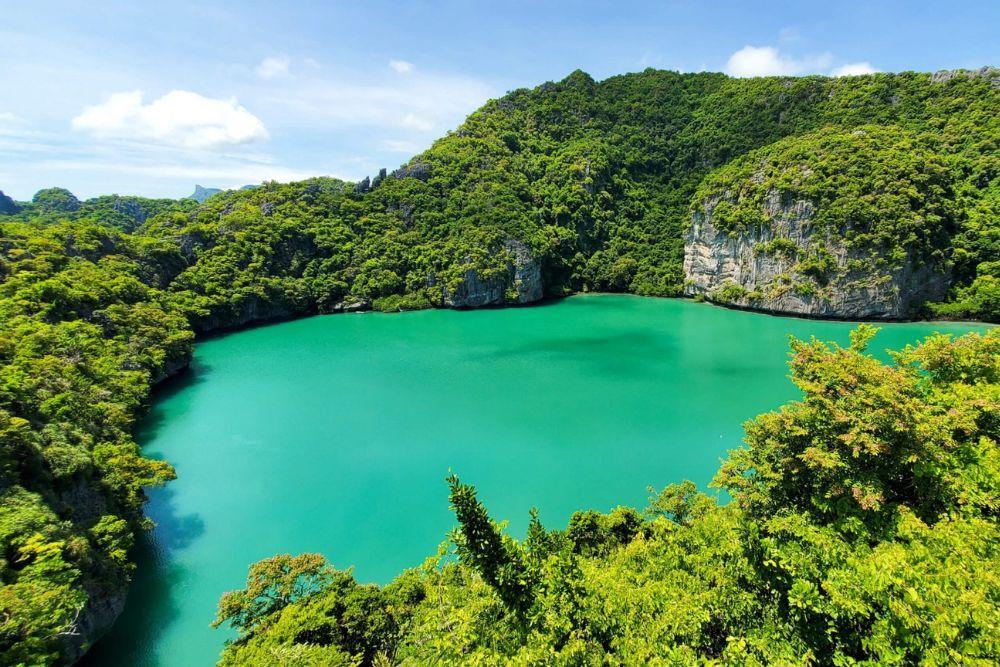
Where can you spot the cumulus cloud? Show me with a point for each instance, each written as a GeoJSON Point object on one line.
{"type": "Point", "coordinates": [401, 66]}
{"type": "Point", "coordinates": [853, 69]}
{"type": "Point", "coordinates": [769, 61]}
{"type": "Point", "coordinates": [272, 67]}
{"type": "Point", "coordinates": [179, 118]}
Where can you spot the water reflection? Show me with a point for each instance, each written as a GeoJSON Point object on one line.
{"type": "Point", "coordinates": [152, 605]}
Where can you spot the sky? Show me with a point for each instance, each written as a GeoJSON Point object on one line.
{"type": "Point", "coordinates": [151, 98]}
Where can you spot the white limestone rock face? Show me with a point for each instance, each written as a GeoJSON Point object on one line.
{"type": "Point", "coordinates": [522, 279]}
{"type": "Point", "coordinates": [761, 268]}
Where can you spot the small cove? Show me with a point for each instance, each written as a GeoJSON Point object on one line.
{"type": "Point", "coordinates": [334, 434]}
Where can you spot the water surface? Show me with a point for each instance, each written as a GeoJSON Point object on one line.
{"type": "Point", "coordinates": [334, 434]}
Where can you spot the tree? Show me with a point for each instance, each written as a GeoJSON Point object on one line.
{"type": "Point", "coordinates": [480, 542]}
{"type": "Point", "coordinates": [681, 503]}
{"type": "Point", "coordinates": [868, 439]}
{"type": "Point", "coordinates": [272, 585]}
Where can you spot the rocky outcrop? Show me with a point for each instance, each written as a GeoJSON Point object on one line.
{"type": "Point", "coordinates": [171, 367]}
{"type": "Point", "coordinates": [787, 266]}
{"type": "Point", "coordinates": [946, 75]}
{"type": "Point", "coordinates": [86, 502]}
{"type": "Point", "coordinates": [520, 283]}
{"type": "Point", "coordinates": [94, 620]}
{"type": "Point", "coordinates": [200, 194]}
{"type": "Point", "coordinates": [130, 208]}
{"type": "Point", "coordinates": [416, 168]}
{"type": "Point", "coordinates": [250, 310]}
{"type": "Point", "coordinates": [56, 200]}
{"type": "Point", "coordinates": [7, 205]}
{"type": "Point", "coordinates": [356, 306]}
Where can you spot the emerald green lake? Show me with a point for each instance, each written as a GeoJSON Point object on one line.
{"type": "Point", "coordinates": [334, 434]}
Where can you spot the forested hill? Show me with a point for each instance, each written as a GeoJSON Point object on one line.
{"type": "Point", "coordinates": [834, 186]}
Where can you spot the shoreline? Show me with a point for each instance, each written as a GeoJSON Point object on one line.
{"type": "Point", "coordinates": [545, 301]}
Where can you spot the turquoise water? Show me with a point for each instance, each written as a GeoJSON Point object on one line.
{"type": "Point", "coordinates": [334, 434]}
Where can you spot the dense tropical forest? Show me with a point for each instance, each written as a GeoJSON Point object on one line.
{"type": "Point", "coordinates": [850, 508]}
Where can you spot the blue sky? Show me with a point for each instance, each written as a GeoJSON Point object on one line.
{"type": "Point", "coordinates": [151, 98]}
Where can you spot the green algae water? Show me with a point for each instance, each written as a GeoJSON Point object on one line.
{"type": "Point", "coordinates": [335, 434]}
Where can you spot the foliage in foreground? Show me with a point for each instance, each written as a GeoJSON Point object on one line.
{"type": "Point", "coordinates": [864, 529]}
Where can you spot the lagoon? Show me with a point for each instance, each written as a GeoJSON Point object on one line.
{"type": "Point", "coordinates": [335, 434]}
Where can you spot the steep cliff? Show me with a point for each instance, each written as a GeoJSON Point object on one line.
{"type": "Point", "coordinates": [519, 281]}
{"type": "Point", "coordinates": [787, 266]}
{"type": "Point", "coordinates": [835, 224]}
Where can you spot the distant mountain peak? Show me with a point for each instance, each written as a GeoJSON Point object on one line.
{"type": "Point", "coordinates": [201, 194]}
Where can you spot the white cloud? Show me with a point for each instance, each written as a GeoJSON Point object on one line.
{"type": "Point", "coordinates": [179, 118]}
{"type": "Point", "coordinates": [272, 67]}
{"type": "Point", "coordinates": [91, 168]}
{"type": "Point", "coordinates": [853, 69]}
{"type": "Point", "coordinates": [769, 61]}
{"type": "Point", "coordinates": [401, 66]}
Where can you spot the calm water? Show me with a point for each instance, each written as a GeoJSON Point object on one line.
{"type": "Point", "coordinates": [334, 434]}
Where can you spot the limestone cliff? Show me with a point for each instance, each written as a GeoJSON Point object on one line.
{"type": "Point", "coordinates": [200, 194]}
{"type": "Point", "coordinates": [105, 603]}
{"type": "Point", "coordinates": [520, 282]}
{"type": "Point", "coordinates": [838, 223]}
{"type": "Point", "coordinates": [788, 266]}
{"type": "Point", "coordinates": [105, 593]}
{"type": "Point", "coordinates": [247, 311]}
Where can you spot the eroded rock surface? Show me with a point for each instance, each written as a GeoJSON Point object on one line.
{"type": "Point", "coordinates": [520, 283]}
{"type": "Point", "coordinates": [762, 268]}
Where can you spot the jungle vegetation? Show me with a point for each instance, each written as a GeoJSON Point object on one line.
{"type": "Point", "coordinates": [102, 298]}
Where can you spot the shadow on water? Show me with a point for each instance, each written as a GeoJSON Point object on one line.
{"type": "Point", "coordinates": [151, 605]}
{"type": "Point", "coordinates": [626, 352]}
{"type": "Point", "coordinates": [196, 373]}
